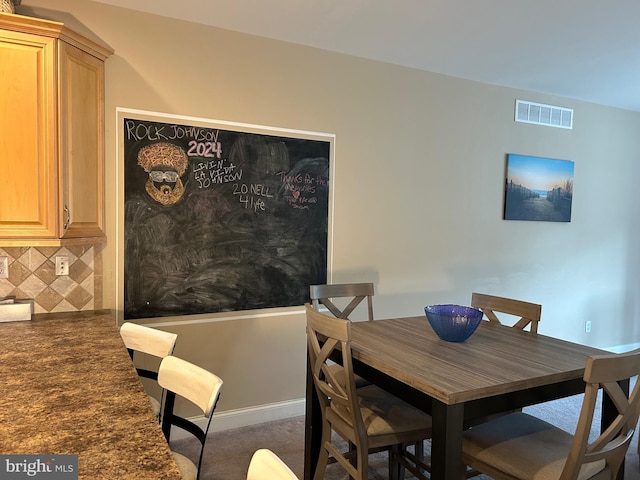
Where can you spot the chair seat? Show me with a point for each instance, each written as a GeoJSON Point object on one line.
{"type": "Point", "coordinates": [386, 417]}
{"type": "Point", "coordinates": [188, 470]}
{"type": "Point", "coordinates": [524, 447]}
{"type": "Point", "coordinates": [338, 371]}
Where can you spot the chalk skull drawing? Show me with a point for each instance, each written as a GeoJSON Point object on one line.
{"type": "Point", "coordinates": [165, 163]}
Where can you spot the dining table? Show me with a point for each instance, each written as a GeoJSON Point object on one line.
{"type": "Point", "coordinates": [68, 387]}
{"type": "Point", "coordinates": [497, 369]}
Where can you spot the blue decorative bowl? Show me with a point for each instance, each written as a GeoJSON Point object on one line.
{"type": "Point", "coordinates": [453, 323]}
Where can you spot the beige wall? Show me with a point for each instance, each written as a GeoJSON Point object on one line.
{"type": "Point", "coordinates": [419, 172]}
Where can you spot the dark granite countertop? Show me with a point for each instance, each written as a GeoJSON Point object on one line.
{"type": "Point", "coordinates": [67, 386]}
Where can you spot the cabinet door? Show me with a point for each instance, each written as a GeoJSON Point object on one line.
{"type": "Point", "coordinates": [81, 143]}
{"type": "Point", "coordinates": [28, 174]}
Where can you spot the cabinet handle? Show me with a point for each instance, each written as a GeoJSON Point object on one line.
{"type": "Point", "coordinates": [68, 219]}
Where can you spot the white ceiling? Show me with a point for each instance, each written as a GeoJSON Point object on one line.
{"type": "Point", "coordinates": [583, 49]}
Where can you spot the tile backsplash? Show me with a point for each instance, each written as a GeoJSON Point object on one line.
{"type": "Point", "coordinates": [32, 275]}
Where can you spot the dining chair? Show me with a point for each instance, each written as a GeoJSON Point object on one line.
{"type": "Point", "coordinates": [355, 293]}
{"type": "Point", "coordinates": [328, 295]}
{"type": "Point", "coordinates": [266, 465]}
{"type": "Point", "coordinates": [522, 446]}
{"type": "Point", "coordinates": [369, 418]}
{"type": "Point", "coordinates": [200, 387]}
{"type": "Point", "coordinates": [150, 341]}
{"type": "Point", "coordinates": [491, 305]}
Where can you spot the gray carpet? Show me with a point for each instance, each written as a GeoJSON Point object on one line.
{"type": "Point", "coordinates": [227, 453]}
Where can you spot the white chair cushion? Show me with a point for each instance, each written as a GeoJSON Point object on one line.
{"type": "Point", "coordinates": [523, 446]}
{"type": "Point", "coordinates": [188, 469]}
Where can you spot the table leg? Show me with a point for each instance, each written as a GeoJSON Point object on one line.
{"type": "Point", "coordinates": [446, 444]}
{"type": "Point", "coordinates": [609, 413]}
{"type": "Point", "coordinates": [312, 427]}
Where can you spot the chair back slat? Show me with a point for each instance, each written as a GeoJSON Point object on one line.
{"type": "Point", "coordinates": [148, 340]}
{"type": "Point", "coordinates": [606, 371]}
{"type": "Point", "coordinates": [327, 338]}
{"type": "Point", "coordinates": [328, 294]}
{"type": "Point", "coordinates": [195, 384]}
{"type": "Point", "coordinates": [190, 381]}
{"type": "Point", "coordinates": [529, 313]}
{"type": "Point", "coordinates": [266, 465]}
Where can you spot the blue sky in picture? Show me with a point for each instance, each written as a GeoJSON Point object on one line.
{"type": "Point", "coordinates": [538, 173]}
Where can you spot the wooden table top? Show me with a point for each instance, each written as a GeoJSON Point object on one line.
{"type": "Point", "coordinates": [68, 386]}
{"type": "Point", "coordinates": [495, 360]}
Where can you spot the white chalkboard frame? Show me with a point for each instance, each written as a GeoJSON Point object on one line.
{"type": "Point", "coordinates": [150, 116]}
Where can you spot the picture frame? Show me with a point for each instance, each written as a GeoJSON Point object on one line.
{"type": "Point", "coordinates": [538, 189]}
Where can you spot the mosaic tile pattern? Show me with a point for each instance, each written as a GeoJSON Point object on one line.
{"type": "Point", "coordinates": [32, 275]}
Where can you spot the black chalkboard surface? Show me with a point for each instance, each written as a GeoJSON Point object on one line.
{"type": "Point", "coordinates": [221, 220]}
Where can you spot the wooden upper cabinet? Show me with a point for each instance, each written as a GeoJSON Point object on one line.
{"type": "Point", "coordinates": [51, 134]}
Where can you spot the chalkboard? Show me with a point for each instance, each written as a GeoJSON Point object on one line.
{"type": "Point", "coordinates": [219, 219]}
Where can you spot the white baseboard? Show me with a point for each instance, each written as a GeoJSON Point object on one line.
{"type": "Point", "coordinates": [243, 417]}
{"type": "Point", "coordinates": [623, 348]}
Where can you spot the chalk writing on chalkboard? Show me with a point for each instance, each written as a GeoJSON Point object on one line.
{"type": "Point", "coordinates": [221, 220]}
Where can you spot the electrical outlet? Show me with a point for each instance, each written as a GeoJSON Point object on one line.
{"type": "Point", "coordinates": [4, 267]}
{"type": "Point", "coordinates": [62, 265]}
{"type": "Point", "coordinates": [587, 326]}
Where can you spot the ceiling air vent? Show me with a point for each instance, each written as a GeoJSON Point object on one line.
{"type": "Point", "coordinates": [541, 114]}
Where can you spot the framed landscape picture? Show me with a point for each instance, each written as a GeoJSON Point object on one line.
{"type": "Point", "coordinates": [538, 189]}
